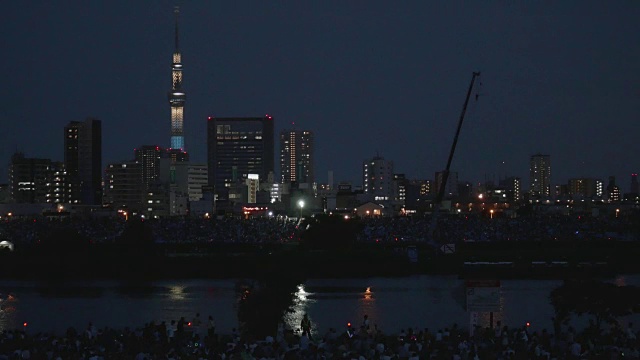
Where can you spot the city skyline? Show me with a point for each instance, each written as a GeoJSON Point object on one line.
{"type": "Point", "coordinates": [554, 81]}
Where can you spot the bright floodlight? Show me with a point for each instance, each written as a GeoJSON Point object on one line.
{"type": "Point", "coordinates": [301, 203]}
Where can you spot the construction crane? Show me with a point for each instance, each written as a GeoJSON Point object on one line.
{"type": "Point", "coordinates": [445, 175]}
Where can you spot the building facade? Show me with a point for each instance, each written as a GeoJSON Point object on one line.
{"type": "Point", "coordinates": [400, 185]}
{"type": "Point", "coordinates": [613, 190]}
{"type": "Point", "coordinates": [540, 175]}
{"type": "Point", "coordinates": [83, 160]}
{"type": "Point", "coordinates": [296, 156]}
{"type": "Point", "coordinates": [237, 147]}
{"type": "Point", "coordinates": [148, 156]}
{"type": "Point", "coordinates": [585, 188]}
{"type": "Point", "coordinates": [124, 188]}
{"type": "Point", "coordinates": [513, 186]}
{"type": "Point", "coordinates": [378, 181]}
{"type": "Point", "coordinates": [28, 179]}
{"type": "Point", "coordinates": [58, 185]}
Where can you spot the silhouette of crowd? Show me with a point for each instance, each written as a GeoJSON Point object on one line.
{"type": "Point", "coordinates": [198, 339]}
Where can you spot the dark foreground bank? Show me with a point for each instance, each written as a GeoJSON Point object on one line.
{"type": "Point", "coordinates": [481, 259]}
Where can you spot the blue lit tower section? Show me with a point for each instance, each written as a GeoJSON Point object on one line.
{"type": "Point", "coordinates": [177, 96]}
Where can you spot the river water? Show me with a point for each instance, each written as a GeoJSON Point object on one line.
{"type": "Point", "coordinates": [424, 301]}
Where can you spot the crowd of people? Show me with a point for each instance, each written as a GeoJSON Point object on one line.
{"type": "Point", "coordinates": [198, 339]}
{"type": "Point", "coordinates": [253, 230]}
{"type": "Point", "coordinates": [459, 228]}
{"type": "Point", "coordinates": [463, 228]}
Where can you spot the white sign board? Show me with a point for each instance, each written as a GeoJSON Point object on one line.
{"type": "Point", "coordinates": [483, 295]}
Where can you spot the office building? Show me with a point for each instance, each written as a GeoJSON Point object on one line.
{"type": "Point", "coordinates": [296, 156]}
{"type": "Point", "coordinates": [197, 178]}
{"type": "Point", "coordinates": [83, 160]}
{"type": "Point", "coordinates": [634, 184]}
{"type": "Point", "coordinates": [540, 175]}
{"type": "Point", "coordinates": [28, 179]}
{"type": "Point", "coordinates": [237, 147]}
{"type": "Point", "coordinates": [184, 178]}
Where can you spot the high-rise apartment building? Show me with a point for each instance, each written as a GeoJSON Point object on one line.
{"type": "Point", "coordinates": [400, 185]}
{"type": "Point", "coordinates": [613, 191]}
{"type": "Point", "coordinates": [540, 175]}
{"type": "Point", "coordinates": [634, 184]}
{"type": "Point", "coordinates": [177, 96]}
{"type": "Point", "coordinates": [416, 193]}
{"type": "Point", "coordinates": [28, 179]}
{"type": "Point", "coordinates": [513, 187]}
{"type": "Point", "coordinates": [585, 187]}
{"type": "Point", "coordinates": [377, 175]}
{"type": "Point", "coordinates": [149, 158]}
{"type": "Point", "coordinates": [83, 160]}
{"type": "Point", "coordinates": [123, 186]}
{"type": "Point", "coordinates": [296, 156]}
{"type": "Point", "coordinates": [57, 183]}
{"type": "Point", "coordinates": [237, 147]}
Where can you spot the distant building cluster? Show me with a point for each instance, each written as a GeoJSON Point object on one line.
{"type": "Point", "coordinates": [239, 177]}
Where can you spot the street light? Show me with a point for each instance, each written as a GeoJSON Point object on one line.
{"type": "Point", "coordinates": [491, 212]}
{"type": "Point", "coordinates": [301, 205]}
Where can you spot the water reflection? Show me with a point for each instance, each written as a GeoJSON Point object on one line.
{"type": "Point", "coordinates": [301, 303]}
{"type": "Point", "coordinates": [176, 293]}
{"type": "Point", "coordinates": [368, 295]}
{"type": "Point", "coordinates": [391, 303]}
{"type": "Point", "coordinates": [368, 306]}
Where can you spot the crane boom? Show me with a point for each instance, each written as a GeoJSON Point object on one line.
{"type": "Point", "coordinates": [445, 174]}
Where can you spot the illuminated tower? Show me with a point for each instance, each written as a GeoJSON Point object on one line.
{"type": "Point", "coordinates": [177, 97]}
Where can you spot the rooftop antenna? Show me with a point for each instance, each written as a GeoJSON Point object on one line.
{"type": "Point", "coordinates": [176, 11]}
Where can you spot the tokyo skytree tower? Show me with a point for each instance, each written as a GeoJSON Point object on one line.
{"type": "Point", "coordinates": [177, 96]}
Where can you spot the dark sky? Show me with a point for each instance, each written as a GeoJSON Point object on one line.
{"type": "Point", "coordinates": [388, 77]}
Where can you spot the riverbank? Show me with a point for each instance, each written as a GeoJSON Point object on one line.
{"type": "Point", "coordinates": [486, 259]}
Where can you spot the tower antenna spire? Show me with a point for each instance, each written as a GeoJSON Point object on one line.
{"type": "Point", "coordinates": [176, 11]}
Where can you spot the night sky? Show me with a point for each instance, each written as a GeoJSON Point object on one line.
{"type": "Point", "coordinates": [367, 77]}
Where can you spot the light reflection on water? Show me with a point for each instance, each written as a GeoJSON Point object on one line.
{"type": "Point", "coordinates": [176, 293]}
{"type": "Point", "coordinates": [301, 303]}
{"type": "Point", "coordinates": [304, 302]}
{"type": "Point", "coordinates": [391, 303]}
